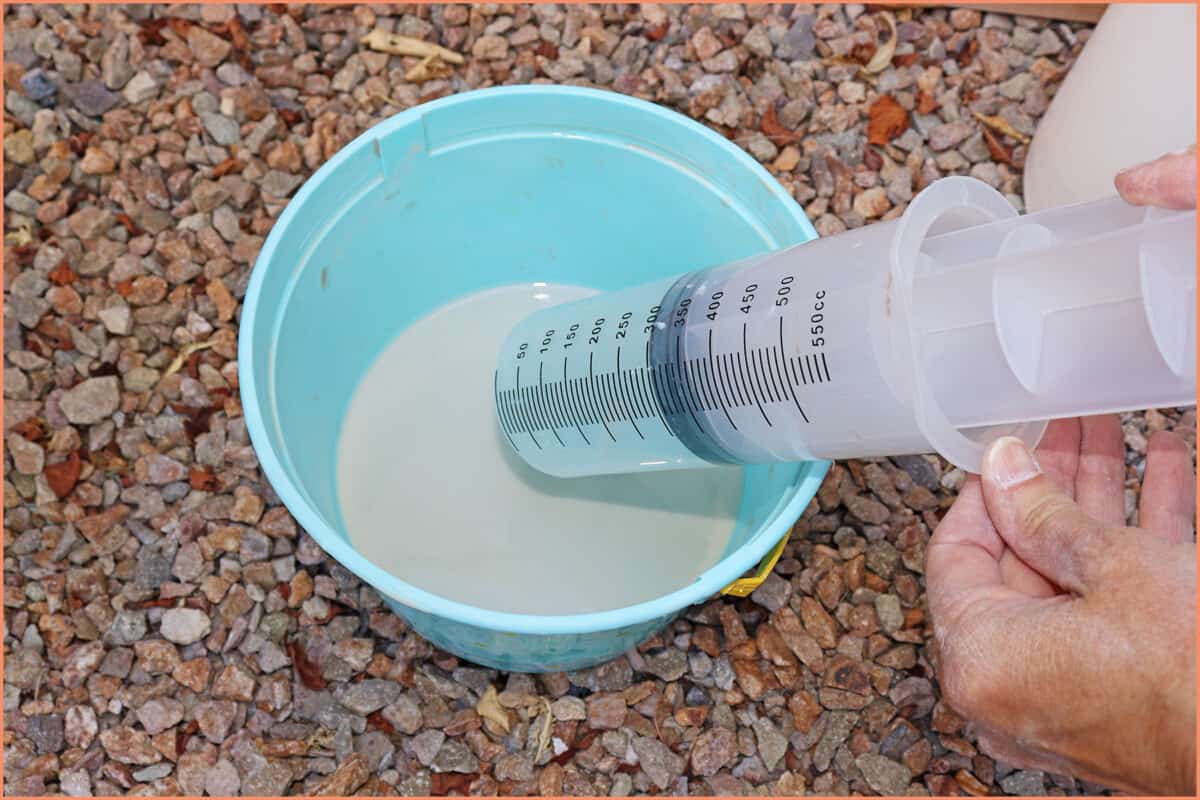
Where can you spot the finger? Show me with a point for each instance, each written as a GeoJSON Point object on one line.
{"type": "Point", "coordinates": [1039, 521]}
{"type": "Point", "coordinates": [962, 556]}
{"type": "Point", "coordinates": [1058, 453]}
{"type": "Point", "coordinates": [1100, 481]}
{"type": "Point", "coordinates": [1167, 182]}
{"type": "Point", "coordinates": [1020, 577]}
{"type": "Point", "coordinates": [1168, 504]}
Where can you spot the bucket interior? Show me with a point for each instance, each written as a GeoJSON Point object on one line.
{"type": "Point", "coordinates": [477, 192]}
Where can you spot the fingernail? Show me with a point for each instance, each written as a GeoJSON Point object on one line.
{"type": "Point", "coordinates": [1008, 462]}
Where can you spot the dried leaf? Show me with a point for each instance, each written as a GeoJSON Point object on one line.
{"type": "Point", "coordinates": [488, 707]}
{"type": "Point", "coordinates": [658, 32]}
{"type": "Point", "coordinates": [966, 53]}
{"type": "Point", "coordinates": [442, 783]}
{"type": "Point", "coordinates": [79, 142]}
{"type": "Point", "coordinates": [906, 59]}
{"type": "Point", "coordinates": [32, 429]}
{"type": "Point", "coordinates": [925, 103]}
{"type": "Point", "coordinates": [886, 119]}
{"type": "Point", "coordinates": [398, 45]}
{"type": "Point", "coordinates": [21, 237]}
{"type": "Point", "coordinates": [1000, 152]}
{"type": "Point", "coordinates": [883, 56]}
{"type": "Point", "coordinates": [183, 734]}
{"type": "Point", "coordinates": [62, 275]}
{"type": "Point", "coordinates": [429, 68]}
{"type": "Point", "coordinates": [180, 26]}
{"type": "Point", "coordinates": [63, 475]}
{"type": "Point", "coordinates": [544, 736]}
{"type": "Point", "coordinates": [775, 131]}
{"type": "Point", "coordinates": [1001, 125]}
{"type": "Point", "coordinates": [197, 418]}
{"type": "Point", "coordinates": [203, 480]}
{"type": "Point", "coordinates": [150, 31]}
{"type": "Point", "coordinates": [308, 672]}
{"type": "Point", "coordinates": [872, 159]}
{"type": "Point", "coordinates": [184, 353]}
{"type": "Point", "coordinates": [580, 744]}
{"type": "Point", "coordinates": [57, 332]}
{"type": "Point", "coordinates": [226, 167]}
{"type": "Point", "coordinates": [863, 52]}
{"type": "Point", "coordinates": [237, 33]}
{"type": "Point", "coordinates": [158, 602]}
{"type": "Point", "coordinates": [376, 720]}
{"type": "Point", "coordinates": [129, 225]}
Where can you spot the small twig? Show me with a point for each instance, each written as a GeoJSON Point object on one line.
{"type": "Point", "coordinates": [184, 354]}
{"type": "Point", "coordinates": [1001, 125]}
{"type": "Point", "coordinates": [399, 45]}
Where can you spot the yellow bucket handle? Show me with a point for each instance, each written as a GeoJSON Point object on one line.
{"type": "Point", "coordinates": [744, 586]}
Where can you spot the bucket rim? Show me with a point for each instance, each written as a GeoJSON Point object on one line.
{"type": "Point", "coordinates": [791, 502]}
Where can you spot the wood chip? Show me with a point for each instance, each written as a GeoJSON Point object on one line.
{"type": "Point", "coordinates": [488, 707]}
{"type": "Point", "coordinates": [883, 56]}
{"type": "Point", "coordinates": [398, 45]}
{"type": "Point", "coordinates": [20, 237]}
{"type": "Point", "coordinates": [544, 736]}
{"type": "Point", "coordinates": [429, 68]}
{"type": "Point", "coordinates": [1001, 125]}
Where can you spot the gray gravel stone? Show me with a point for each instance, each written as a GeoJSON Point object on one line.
{"type": "Point", "coordinates": [93, 98]}
{"type": "Point", "coordinates": [884, 775]}
{"type": "Point", "coordinates": [221, 128]}
{"type": "Point", "coordinates": [46, 732]}
{"type": "Point", "coordinates": [455, 756]}
{"type": "Point", "coordinates": [185, 625]}
{"type": "Point", "coordinates": [91, 401]}
{"type": "Point", "coordinates": [368, 696]}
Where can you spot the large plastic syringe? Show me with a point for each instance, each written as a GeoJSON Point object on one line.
{"type": "Point", "coordinates": [939, 331]}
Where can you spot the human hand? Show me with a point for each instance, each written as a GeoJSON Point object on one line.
{"type": "Point", "coordinates": [1066, 637]}
{"type": "Point", "coordinates": [1168, 182]}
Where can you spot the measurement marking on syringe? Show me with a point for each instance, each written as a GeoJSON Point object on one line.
{"type": "Point", "coordinates": [704, 384]}
{"type": "Point", "coordinates": [731, 366]}
{"type": "Point", "coordinates": [624, 396]}
{"type": "Point", "coordinates": [521, 409]}
{"type": "Point", "coordinates": [680, 375]}
{"type": "Point", "coordinates": [783, 366]}
{"type": "Point", "coordinates": [547, 410]}
{"type": "Point", "coordinates": [795, 375]}
{"type": "Point", "coordinates": [572, 404]}
{"type": "Point", "coordinates": [500, 409]}
{"type": "Point", "coordinates": [750, 366]}
{"type": "Point", "coordinates": [591, 384]}
{"type": "Point", "coordinates": [708, 364]}
{"type": "Point", "coordinates": [764, 365]}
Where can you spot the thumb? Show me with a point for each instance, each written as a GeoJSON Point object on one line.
{"type": "Point", "coordinates": [1039, 522]}
{"type": "Point", "coordinates": [1166, 182]}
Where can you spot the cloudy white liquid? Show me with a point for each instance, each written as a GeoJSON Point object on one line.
{"type": "Point", "coordinates": [430, 492]}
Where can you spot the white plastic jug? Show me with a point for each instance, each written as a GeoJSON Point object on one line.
{"type": "Point", "coordinates": [1129, 98]}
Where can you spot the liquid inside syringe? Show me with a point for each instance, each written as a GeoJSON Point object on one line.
{"type": "Point", "coordinates": [933, 332]}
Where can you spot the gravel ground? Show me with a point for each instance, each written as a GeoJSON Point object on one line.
{"type": "Point", "coordinates": [170, 630]}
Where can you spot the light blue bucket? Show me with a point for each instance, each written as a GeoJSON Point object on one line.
{"type": "Point", "coordinates": [483, 189]}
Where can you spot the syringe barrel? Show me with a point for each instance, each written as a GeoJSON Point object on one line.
{"type": "Point", "coordinates": [935, 332]}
